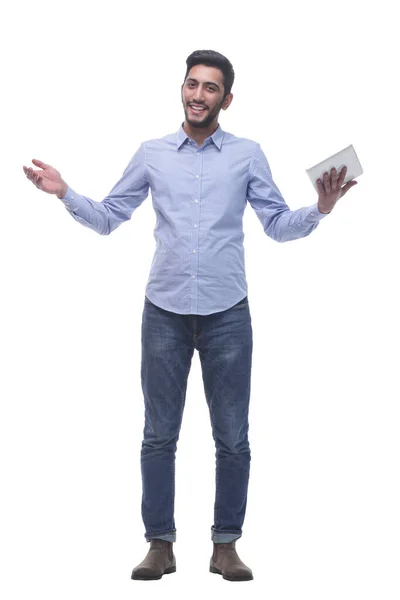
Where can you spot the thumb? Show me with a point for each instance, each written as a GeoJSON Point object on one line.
{"type": "Point", "coordinates": [39, 163]}
{"type": "Point", "coordinates": [348, 187]}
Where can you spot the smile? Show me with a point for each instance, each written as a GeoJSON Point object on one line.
{"type": "Point", "coordinates": [196, 108]}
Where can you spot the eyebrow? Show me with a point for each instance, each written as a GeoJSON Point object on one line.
{"type": "Point", "coordinates": [206, 82]}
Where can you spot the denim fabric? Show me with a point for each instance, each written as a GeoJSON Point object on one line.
{"type": "Point", "coordinates": [224, 341]}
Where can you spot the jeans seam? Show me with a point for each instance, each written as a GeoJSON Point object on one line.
{"type": "Point", "coordinates": [184, 391]}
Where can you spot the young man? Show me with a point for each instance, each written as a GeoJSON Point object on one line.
{"type": "Point", "coordinates": [201, 179]}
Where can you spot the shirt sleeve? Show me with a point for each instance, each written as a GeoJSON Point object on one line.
{"type": "Point", "coordinates": [125, 197]}
{"type": "Point", "coordinates": [278, 221]}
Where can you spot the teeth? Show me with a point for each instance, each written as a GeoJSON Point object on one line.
{"type": "Point", "coordinates": [196, 108]}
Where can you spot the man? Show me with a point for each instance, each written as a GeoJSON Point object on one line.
{"type": "Point", "coordinates": [196, 297]}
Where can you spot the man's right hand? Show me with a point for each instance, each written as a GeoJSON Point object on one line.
{"type": "Point", "coordinates": [47, 179]}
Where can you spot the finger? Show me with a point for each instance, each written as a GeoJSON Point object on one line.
{"type": "Point", "coordinates": [334, 178]}
{"type": "Point", "coordinates": [35, 176]}
{"type": "Point", "coordinates": [320, 187]}
{"type": "Point", "coordinates": [327, 183]}
{"type": "Point", "coordinates": [342, 176]}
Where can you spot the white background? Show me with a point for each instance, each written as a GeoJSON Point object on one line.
{"type": "Point", "coordinates": [86, 83]}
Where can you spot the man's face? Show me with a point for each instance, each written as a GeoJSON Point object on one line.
{"type": "Point", "coordinates": [204, 89]}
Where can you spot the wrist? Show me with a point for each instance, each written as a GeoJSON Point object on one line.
{"type": "Point", "coordinates": [324, 212]}
{"type": "Point", "coordinates": [63, 191]}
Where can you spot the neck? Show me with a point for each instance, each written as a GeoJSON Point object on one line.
{"type": "Point", "coordinates": [199, 134]}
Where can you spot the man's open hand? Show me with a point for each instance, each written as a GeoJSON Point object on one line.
{"type": "Point", "coordinates": [48, 179]}
{"type": "Point", "coordinates": [330, 189]}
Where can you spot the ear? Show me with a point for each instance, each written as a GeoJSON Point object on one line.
{"type": "Point", "coordinates": [227, 101]}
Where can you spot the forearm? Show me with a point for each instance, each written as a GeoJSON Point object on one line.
{"type": "Point", "coordinates": [279, 222]}
{"type": "Point", "coordinates": [289, 225]}
{"type": "Point", "coordinates": [124, 198]}
{"type": "Point", "coordinates": [86, 211]}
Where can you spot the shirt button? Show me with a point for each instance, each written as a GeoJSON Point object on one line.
{"type": "Point", "coordinates": [312, 214]}
{"type": "Point", "coordinates": [193, 276]}
{"type": "Point", "coordinates": [195, 226]}
{"type": "Point", "coordinates": [196, 201]}
{"type": "Point", "coordinates": [197, 176]}
{"type": "Point", "coordinates": [194, 251]}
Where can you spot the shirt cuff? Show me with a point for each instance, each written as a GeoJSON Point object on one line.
{"type": "Point", "coordinates": [71, 199]}
{"type": "Point", "coordinates": [314, 214]}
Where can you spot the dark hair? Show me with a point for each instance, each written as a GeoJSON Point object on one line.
{"type": "Point", "coordinates": [210, 58]}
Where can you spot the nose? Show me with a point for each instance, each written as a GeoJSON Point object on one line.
{"type": "Point", "coordinates": [198, 96]}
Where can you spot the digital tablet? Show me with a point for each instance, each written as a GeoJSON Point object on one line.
{"type": "Point", "coordinates": [344, 158]}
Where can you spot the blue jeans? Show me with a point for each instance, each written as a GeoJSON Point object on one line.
{"type": "Point", "coordinates": [225, 343]}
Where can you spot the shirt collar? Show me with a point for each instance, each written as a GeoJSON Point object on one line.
{"type": "Point", "coordinates": [217, 137]}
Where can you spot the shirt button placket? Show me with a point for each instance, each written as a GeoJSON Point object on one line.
{"type": "Point", "coordinates": [195, 236]}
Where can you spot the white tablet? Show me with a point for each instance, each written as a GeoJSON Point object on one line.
{"type": "Point", "coordinates": [345, 158]}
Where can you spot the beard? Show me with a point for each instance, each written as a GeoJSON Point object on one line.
{"type": "Point", "coordinates": [206, 120]}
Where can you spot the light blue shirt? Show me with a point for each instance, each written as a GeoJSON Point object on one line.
{"type": "Point", "coordinates": [199, 195]}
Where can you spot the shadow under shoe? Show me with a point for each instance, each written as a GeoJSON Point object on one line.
{"type": "Point", "coordinates": [227, 563]}
{"type": "Point", "coordinates": [159, 561]}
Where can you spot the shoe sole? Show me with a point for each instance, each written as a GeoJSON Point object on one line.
{"type": "Point", "coordinates": [218, 572]}
{"type": "Point", "coordinates": [153, 577]}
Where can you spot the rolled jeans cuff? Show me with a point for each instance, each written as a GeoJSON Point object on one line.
{"type": "Point", "coordinates": [168, 537]}
{"type": "Point", "coordinates": [224, 537]}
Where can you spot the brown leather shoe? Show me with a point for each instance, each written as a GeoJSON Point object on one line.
{"type": "Point", "coordinates": [160, 560]}
{"type": "Point", "coordinates": [226, 562]}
